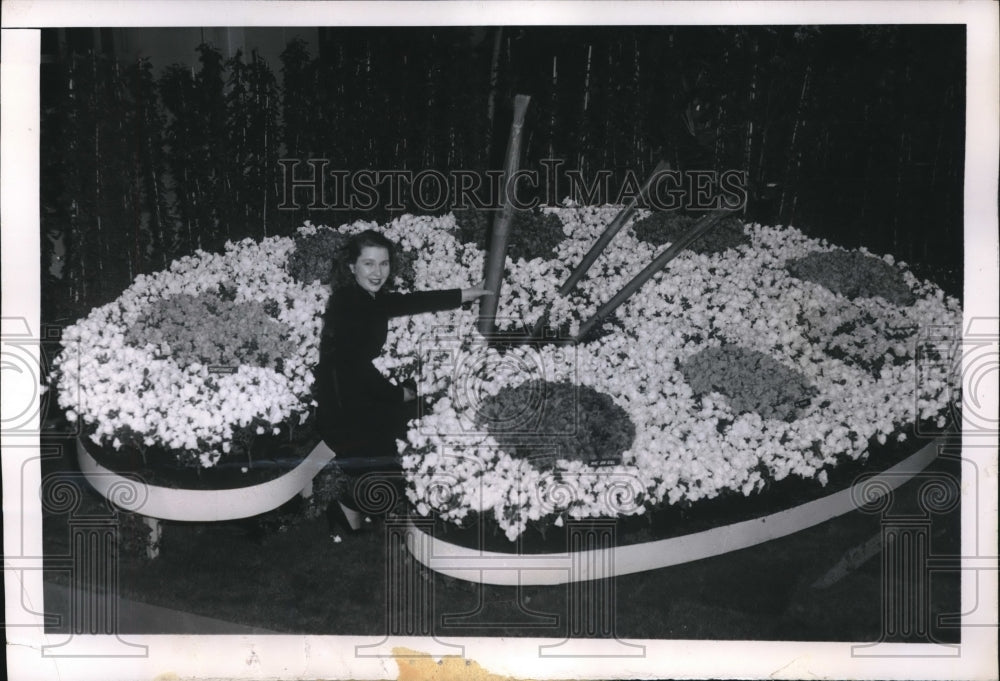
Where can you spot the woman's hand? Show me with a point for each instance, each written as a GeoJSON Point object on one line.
{"type": "Point", "coordinates": [473, 293]}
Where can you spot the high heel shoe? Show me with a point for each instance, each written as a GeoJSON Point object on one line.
{"type": "Point", "coordinates": [337, 520]}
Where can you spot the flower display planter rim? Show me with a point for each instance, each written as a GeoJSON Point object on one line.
{"type": "Point", "coordinates": [536, 569]}
{"type": "Point", "coordinates": [163, 469]}
{"type": "Point", "coordinates": [169, 503]}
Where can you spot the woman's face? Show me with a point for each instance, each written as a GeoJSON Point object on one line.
{"type": "Point", "coordinates": [372, 268]}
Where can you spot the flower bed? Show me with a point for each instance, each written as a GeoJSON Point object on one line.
{"type": "Point", "coordinates": [857, 383]}
{"type": "Point", "coordinates": [657, 522]}
{"type": "Point", "coordinates": [198, 376]}
{"type": "Point", "coordinates": [836, 372]}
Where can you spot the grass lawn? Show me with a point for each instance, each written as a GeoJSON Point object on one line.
{"type": "Point", "coordinates": [286, 574]}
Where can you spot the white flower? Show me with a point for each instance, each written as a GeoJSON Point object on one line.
{"type": "Point", "coordinates": [756, 305]}
{"type": "Point", "coordinates": [743, 297]}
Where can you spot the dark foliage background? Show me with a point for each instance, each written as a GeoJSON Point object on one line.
{"type": "Point", "coordinates": [852, 133]}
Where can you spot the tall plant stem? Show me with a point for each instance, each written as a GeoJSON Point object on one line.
{"type": "Point", "coordinates": [501, 225]}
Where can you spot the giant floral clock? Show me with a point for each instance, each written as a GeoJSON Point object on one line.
{"type": "Point", "coordinates": [750, 373]}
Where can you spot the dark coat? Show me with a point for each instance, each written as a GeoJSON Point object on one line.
{"type": "Point", "coordinates": [360, 413]}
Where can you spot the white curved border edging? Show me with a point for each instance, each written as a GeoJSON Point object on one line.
{"type": "Point", "coordinates": [511, 569]}
{"type": "Point", "coordinates": [206, 505]}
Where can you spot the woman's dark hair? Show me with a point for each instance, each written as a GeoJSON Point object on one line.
{"type": "Point", "coordinates": [362, 240]}
{"type": "Point", "coordinates": [351, 251]}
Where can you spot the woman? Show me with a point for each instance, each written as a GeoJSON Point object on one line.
{"type": "Point", "coordinates": [361, 414]}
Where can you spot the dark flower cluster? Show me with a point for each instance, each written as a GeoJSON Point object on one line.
{"type": "Point", "coordinates": [546, 421]}
{"type": "Point", "coordinates": [751, 380]}
{"type": "Point", "coordinates": [314, 256]}
{"type": "Point", "coordinates": [853, 275]}
{"type": "Point", "coordinates": [533, 234]}
{"type": "Point", "coordinates": [321, 257]}
{"type": "Point", "coordinates": [667, 227]}
{"type": "Point", "coordinates": [402, 267]}
{"type": "Point", "coordinates": [210, 330]}
{"type": "Point", "coordinates": [858, 337]}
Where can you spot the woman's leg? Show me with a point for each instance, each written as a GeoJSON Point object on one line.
{"type": "Point", "coordinates": [376, 480]}
{"type": "Point", "coordinates": [372, 482]}
{"type": "Point", "coordinates": [369, 462]}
